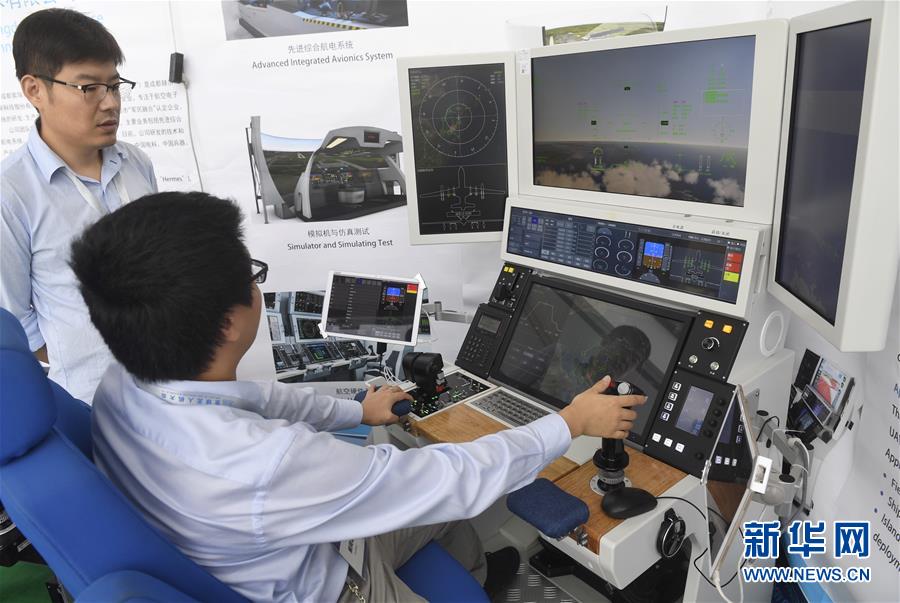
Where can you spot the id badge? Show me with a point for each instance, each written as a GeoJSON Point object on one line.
{"type": "Point", "coordinates": [354, 553]}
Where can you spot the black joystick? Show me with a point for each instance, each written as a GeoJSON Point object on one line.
{"type": "Point", "coordinates": [619, 501]}
{"type": "Point", "coordinates": [401, 408]}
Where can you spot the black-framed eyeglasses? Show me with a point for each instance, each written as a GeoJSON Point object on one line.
{"type": "Point", "coordinates": [94, 92]}
{"type": "Point", "coordinates": [259, 271]}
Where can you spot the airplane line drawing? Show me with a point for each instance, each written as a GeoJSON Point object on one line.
{"type": "Point", "coordinates": [464, 197]}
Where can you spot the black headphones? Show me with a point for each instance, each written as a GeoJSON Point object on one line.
{"type": "Point", "coordinates": [671, 535]}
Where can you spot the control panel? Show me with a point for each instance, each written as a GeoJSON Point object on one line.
{"type": "Point", "coordinates": [689, 421]}
{"type": "Point", "coordinates": [483, 340]}
{"type": "Point", "coordinates": [509, 287]}
{"type": "Point", "coordinates": [351, 348]}
{"type": "Point", "coordinates": [459, 387]}
{"type": "Point", "coordinates": [319, 351]}
{"type": "Point", "coordinates": [712, 345]}
{"type": "Point", "coordinates": [306, 326]}
{"type": "Point", "coordinates": [286, 357]}
{"type": "Point", "coordinates": [306, 301]}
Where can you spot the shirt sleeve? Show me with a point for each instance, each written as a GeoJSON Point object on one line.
{"type": "Point", "coordinates": [15, 275]}
{"type": "Point", "coordinates": [325, 490]}
{"type": "Point", "coordinates": [295, 403]}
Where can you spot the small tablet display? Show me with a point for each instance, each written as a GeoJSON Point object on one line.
{"type": "Point", "coordinates": [376, 308]}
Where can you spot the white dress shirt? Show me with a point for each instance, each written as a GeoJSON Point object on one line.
{"type": "Point", "coordinates": [243, 477]}
{"type": "Point", "coordinates": [41, 212]}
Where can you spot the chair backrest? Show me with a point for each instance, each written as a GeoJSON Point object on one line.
{"type": "Point", "coordinates": [79, 523]}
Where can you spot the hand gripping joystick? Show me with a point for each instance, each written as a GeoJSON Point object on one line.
{"type": "Point", "coordinates": [401, 408]}
{"type": "Point", "coordinates": [619, 500]}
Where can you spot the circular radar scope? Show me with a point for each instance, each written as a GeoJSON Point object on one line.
{"type": "Point", "coordinates": [458, 116]}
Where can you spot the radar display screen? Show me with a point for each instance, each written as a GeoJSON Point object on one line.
{"type": "Point", "coordinates": [829, 81]}
{"type": "Point", "coordinates": [372, 308]}
{"type": "Point", "coordinates": [459, 141]}
{"type": "Point", "coordinates": [694, 263]}
{"type": "Point", "coordinates": [567, 338]}
{"type": "Point", "coordinates": [668, 121]}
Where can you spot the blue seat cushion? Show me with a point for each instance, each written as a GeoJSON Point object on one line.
{"type": "Point", "coordinates": [433, 574]}
{"type": "Point", "coordinates": [548, 508]}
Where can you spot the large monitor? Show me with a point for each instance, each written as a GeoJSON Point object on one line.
{"type": "Point", "coordinates": [682, 121]}
{"type": "Point", "coordinates": [836, 223]}
{"type": "Point", "coordinates": [378, 308]}
{"type": "Point", "coordinates": [699, 262]}
{"type": "Point", "coordinates": [462, 164]}
{"type": "Point", "coordinates": [604, 334]}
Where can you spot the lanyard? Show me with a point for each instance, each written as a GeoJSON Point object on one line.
{"type": "Point", "coordinates": [181, 398]}
{"type": "Point", "coordinates": [89, 196]}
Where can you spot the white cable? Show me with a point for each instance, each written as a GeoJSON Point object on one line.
{"type": "Point", "coordinates": [187, 100]}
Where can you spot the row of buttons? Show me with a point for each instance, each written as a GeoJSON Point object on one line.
{"type": "Point", "coordinates": [726, 461]}
{"type": "Point", "coordinates": [679, 447]}
{"type": "Point", "coordinates": [725, 328]}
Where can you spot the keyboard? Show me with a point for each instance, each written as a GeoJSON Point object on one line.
{"type": "Point", "coordinates": [509, 408]}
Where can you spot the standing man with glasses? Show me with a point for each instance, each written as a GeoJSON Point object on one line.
{"type": "Point", "coordinates": [70, 173]}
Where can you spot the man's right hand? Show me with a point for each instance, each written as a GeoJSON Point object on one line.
{"type": "Point", "coordinates": [594, 413]}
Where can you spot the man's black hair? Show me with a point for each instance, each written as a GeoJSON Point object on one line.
{"type": "Point", "coordinates": [159, 276]}
{"type": "Point", "coordinates": [47, 40]}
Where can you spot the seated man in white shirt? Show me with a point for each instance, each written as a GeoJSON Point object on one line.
{"type": "Point", "coordinates": [243, 476]}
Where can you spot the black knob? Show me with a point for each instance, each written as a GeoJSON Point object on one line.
{"type": "Point", "coordinates": [698, 456]}
{"type": "Point", "coordinates": [712, 422]}
{"type": "Point", "coordinates": [717, 412]}
{"type": "Point", "coordinates": [708, 433]}
{"type": "Point", "coordinates": [709, 343]}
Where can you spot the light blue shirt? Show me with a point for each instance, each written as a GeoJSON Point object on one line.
{"type": "Point", "coordinates": [42, 211]}
{"type": "Point", "coordinates": [243, 478]}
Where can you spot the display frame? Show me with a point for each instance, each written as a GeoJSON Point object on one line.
{"type": "Point", "coordinates": [651, 406]}
{"type": "Point", "coordinates": [762, 149]}
{"type": "Point", "coordinates": [864, 303]}
{"type": "Point", "coordinates": [417, 280]}
{"type": "Point", "coordinates": [404, 64]}
{"type": "Point", "coordinates": [755, 236]}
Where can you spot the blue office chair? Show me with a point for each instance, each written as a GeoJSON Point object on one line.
{"type": "Point", "coordinates": [91, 536]}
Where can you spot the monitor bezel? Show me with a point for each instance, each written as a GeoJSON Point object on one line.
{"type": "Point", "coordinates": [765, 117]}
{"type": "Point", "coordinates": [864, 303]}
{"type": "Point", "coordinates": [683, 316]}
{"type": "Point", "coordinates": [715, 564]}
{"type": "Point", "coordinates": [753, 235]}
{"type": "Point", "coordinates": [417, 280]}
{"type": "Point", "coordinates": [404, 64]}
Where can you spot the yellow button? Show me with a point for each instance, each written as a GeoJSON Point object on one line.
{"type": "Point", "coordinates": [727, 328]}
{"type": "Point", "coordinates": [708, 324]}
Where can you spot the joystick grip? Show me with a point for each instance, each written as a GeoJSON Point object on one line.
{"type": "Point", "coordinates": [401, 408]}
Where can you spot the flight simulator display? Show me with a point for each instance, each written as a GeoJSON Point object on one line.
{"type": "Point", "coordinates": [459, 126]}
{"type": "Point", "coordinates": [694, 263]}
{"type": "Point", "coordinates": [666, 120]}
{"type": "Point", "coordinates": [566, 339]}
{"type": "Point", "coordinates": [349, 173]}
{"type": "Point", "coordinates": [830, 71]}
{"type": "Point", "coordinates": [374, 308]}
{"type": "Point", "coordinates": [836, 211]}
{"type": "Point", "coordinates": [301, 353]}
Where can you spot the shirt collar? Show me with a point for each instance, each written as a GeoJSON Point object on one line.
{"type": "Point", "coordinates": [49, 162]}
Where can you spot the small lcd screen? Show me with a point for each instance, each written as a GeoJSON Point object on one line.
{"type": "Point", "coordinates": [270, 299]}
{"type": "Point", "coordinates": [373, 308]}
{"type": "Point", "coordinates": [459, 144]}
{"type": "Point", "coordinates": [670, 121]}
{"type": "Point", "coordinates": [693, 412]}
{"type": "Point", "coordinates": [276, 331]}
{"type": "Point", "coordinates": [489, 324]}
{"type": "Point", "coordinates": [698, 264]}
{"type": "Point", "coordinates": [829, 83]}
{"type": "Point", "coordinates": [566, 339]}
{"type": "Point", "coordinates": [830, 383]}
{"type": "Point", "coordinates": [370, 136]}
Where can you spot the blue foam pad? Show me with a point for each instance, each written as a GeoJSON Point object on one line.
{"type": "Point", "coordinates": [548, 508]}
